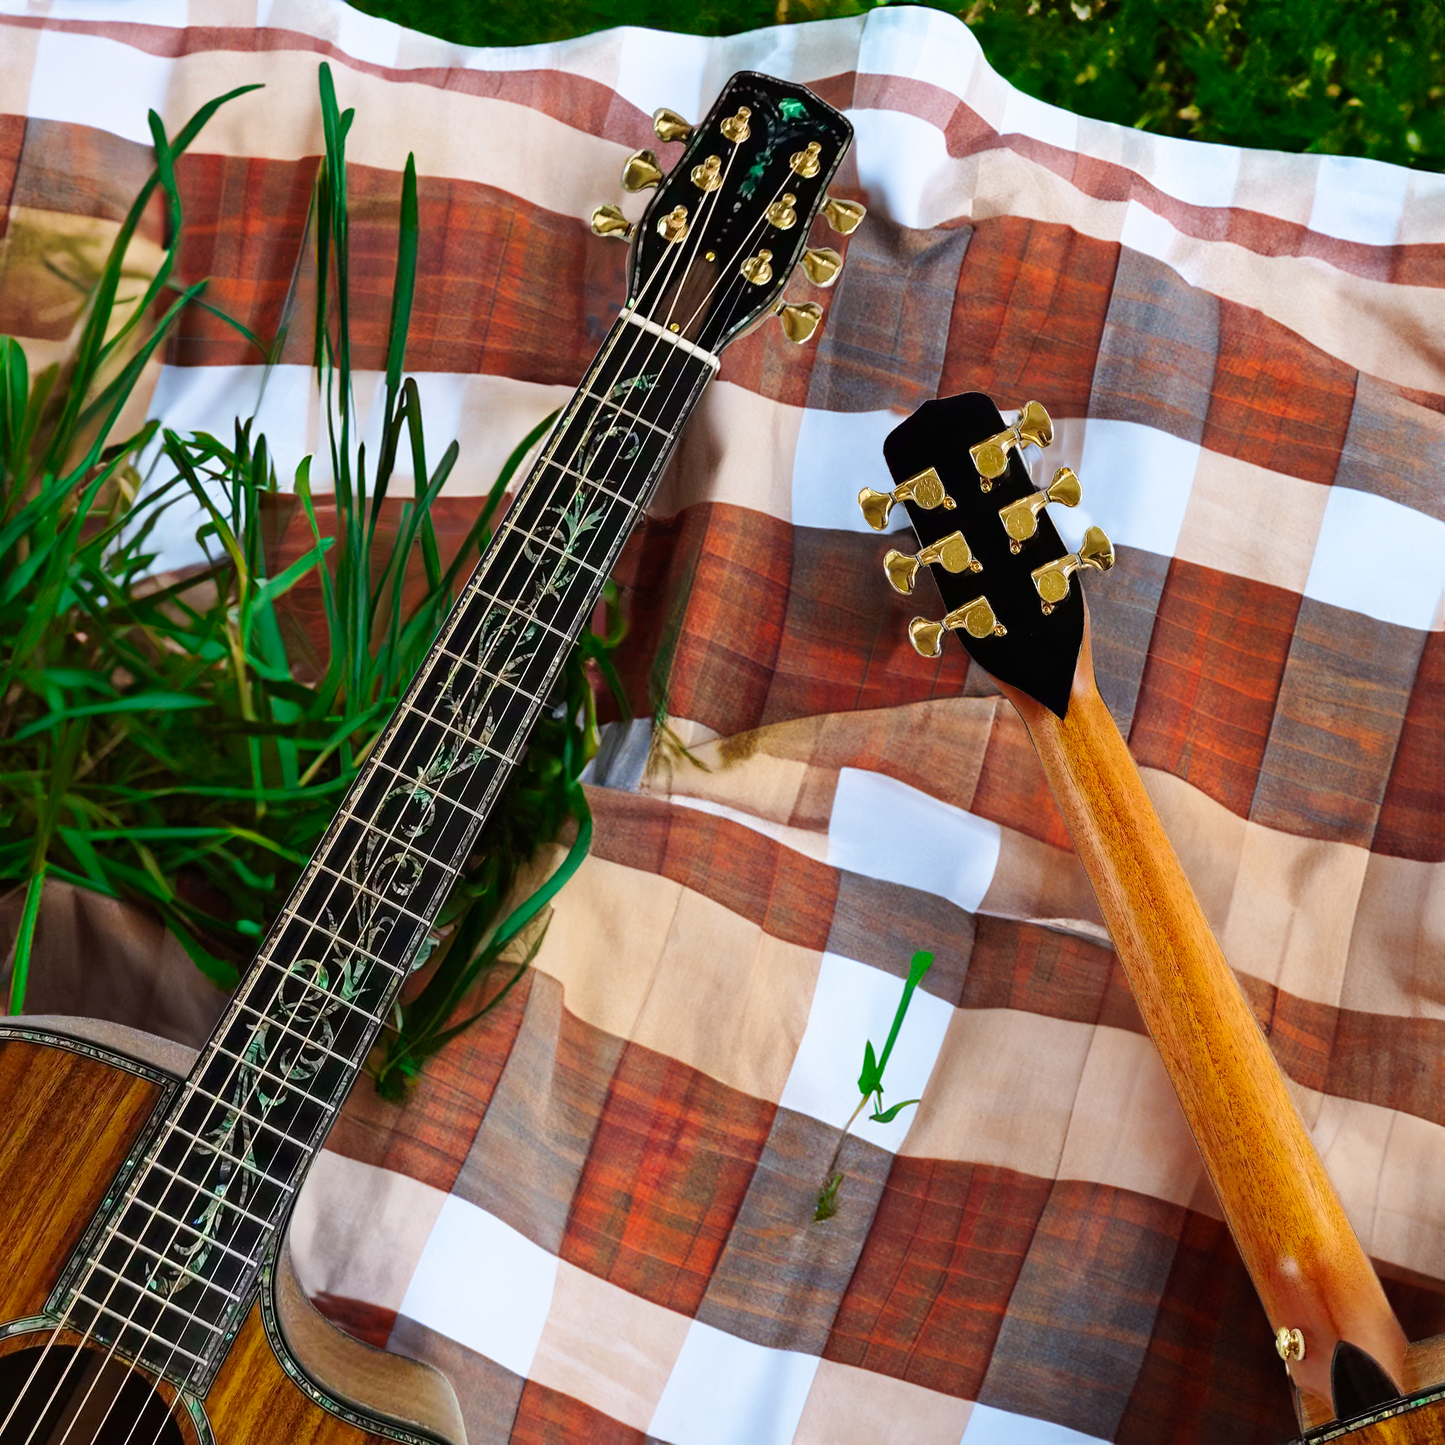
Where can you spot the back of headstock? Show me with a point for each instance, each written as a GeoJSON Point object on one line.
{"type": "Point", "coordinates": [1005, 576]}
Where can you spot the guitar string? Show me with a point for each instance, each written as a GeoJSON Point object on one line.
{"type": "Point", "coordinates": [638, 344]}
{"type": "Point", "coordinates": [588, 430]}
{"type": "Point", "coordinates": [582, 441]}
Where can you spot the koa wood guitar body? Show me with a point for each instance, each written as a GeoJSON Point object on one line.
{"type": "Point", "coordinates": [1012, 594]}
{"type": "Point", "coordinates": [146, 1296]}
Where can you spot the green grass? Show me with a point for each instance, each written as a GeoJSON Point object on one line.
{"type": "Point", "coordinates": [1343, 77]}
{"type": "Point", "coordinates": [169, 742]}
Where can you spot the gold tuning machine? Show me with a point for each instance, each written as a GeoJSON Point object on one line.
{"type": "Point", "coordinates": [843, 216]}
{"type": "Point", "coordinates": [990, 456]}
{"type": "Point", "coordinates": [822, 265]}
{"type": "Point", "coordinates": [975, 618]}
{"type": "Point", "coordinates": [668, 125]}
{"type": "Point", "coordinates": [800, 319]}
{"type": "Point", "coordinates": [926, 490]}
{"type": "Point", "coordinates": [1021, 518]}
{"type": "Point", "coordinates": [609, 221]}
{"type": "Point", "coordinates": [1052, 579]}
{"type": "Point", "coordinates": [641, 171]}
{"type": "Point", "coordinates": [951, 552]}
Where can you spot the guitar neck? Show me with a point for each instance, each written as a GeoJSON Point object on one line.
{"type": "Point", "coordinates": [1306, 1263]}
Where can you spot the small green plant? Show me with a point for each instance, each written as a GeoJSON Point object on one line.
{"type": "Point", "coordinates": [870, 1085]}
{"type": "Point", "coordinates": [170, 742]}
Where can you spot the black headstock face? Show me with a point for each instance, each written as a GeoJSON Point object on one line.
{"type": "Point", "coordinates": [1029, 631]}
{"type": "Point", "coordinates": [730, 220]}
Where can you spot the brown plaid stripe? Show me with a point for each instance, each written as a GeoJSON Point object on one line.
{"type": "Point", "coordinates": [671, 1162]}
{"type": "Point", "coordinates": [548, 1417]}
{"type": "Point", "coordinates": [1208, 695]}
{"type": "Point", "coordinates": [1414, 802]}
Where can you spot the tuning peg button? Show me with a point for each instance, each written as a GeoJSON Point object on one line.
{"type": "Point", "coordinates": [1021, 518]}
{"type": "Point", "coordinates": [924, 490]}
{"type": "Point", "coordinates": [990, 456]}
{"type": "Point", "coordinates": [822, 265]}
{"type": "Point", "coordinates": [668, 125]}
{"type": "Point", "coordinates": [1052, 579]}
{"type": "Point", "coordinates": [975, 618]}
{"type": "Point", "coordinates": [609, 221]}
{"type": "Point", "coordinates": [952, 552]}
{"type": "Point", "coordinates": [843, 216]}
{"type": "Point", "coordinates": [800, 319]}
{"type": "Point", "coordinates": [641, 171]}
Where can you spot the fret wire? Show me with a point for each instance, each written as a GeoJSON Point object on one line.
{"type": "Point", "coordinates": [344, 1059]}
{"type": "Point", "coordinates": [380, 898]}
{"type": "Point", "coordinates": [213, 1151]}
{"type": "Point", "coordinates": [135, 1244]}
{"type": "Point", "coordinates": [151, 1294]}
{"type": "Point", "coordinates": [319, 992]}
{"type": "Point", "coordinates": [190, 1229]}
{"type": "Point", "coordinates": [201, 1189]}
{"type": "Point", "coordinates": [130, 1324]}
{"type": "Point", "coordinates": [409, 848]}
{"type": "Point", "coordinates": [452, 803]}
{"type": "Point", "coordinates": [270, 1078]}
{"type": "Point", "coordinates": [626, 502]}
{"type": "Point", "coordinates": [522, 613]}
{"type": "Point", "coordinates": [491, 677]}
{"type": "Point", "coordinates": [197, 1090]}
{"type": "Point", "coordinates": [623, 411]}
{"type": "Point", "coordinates": [377, 759]}
{"type": "Point", "coordinates": [550, 547]}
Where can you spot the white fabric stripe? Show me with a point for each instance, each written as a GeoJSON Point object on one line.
{"type": "Point", "coordinates": [884, 829]}
{"type": "Point", "coordinates": [1145, 487]}
{"type": "Point", "coordinates": [854, 1003]}
{"type": "Point", "coordinates": [1380, 558]}
{"type": "Point", "coordinates": [724, 1390]}
{"type": "Point", "coordinates": [483, 1284]}
{"type": "Point", "coordinates": [342, 1207]}
{"type": "Point", "coordinates": [990, 1426]}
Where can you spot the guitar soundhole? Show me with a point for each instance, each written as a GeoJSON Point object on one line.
{"type": "Point", "coordinates": [81, 1401]}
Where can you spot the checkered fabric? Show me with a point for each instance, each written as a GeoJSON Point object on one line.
{"type": "Point", "coordinates": [595, 1212]}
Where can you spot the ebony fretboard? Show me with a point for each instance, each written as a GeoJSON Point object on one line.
{"type": "Point", "coordinates": [169, 1267]}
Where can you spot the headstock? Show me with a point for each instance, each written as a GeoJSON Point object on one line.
{"type": "Point", "coordinates": [730, 220]}
{"type": "Point", "coordinates": [1006, 578]}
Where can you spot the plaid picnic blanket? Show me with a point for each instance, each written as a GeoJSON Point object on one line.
{"type": "Point", "coordinates": [594, 1213]}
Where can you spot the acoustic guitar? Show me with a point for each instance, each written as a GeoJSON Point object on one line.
{"type": "Point", "coordinates": [1012, 594]}
{"type": "Point", "coordinates": [143, 1215]}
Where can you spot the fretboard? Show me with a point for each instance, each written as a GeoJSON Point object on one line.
{"type": "Point", "coordinates": [170, 1266]}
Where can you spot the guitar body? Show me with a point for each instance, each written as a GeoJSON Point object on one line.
{"type": "Point", "coordinates": [74, 1106]}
